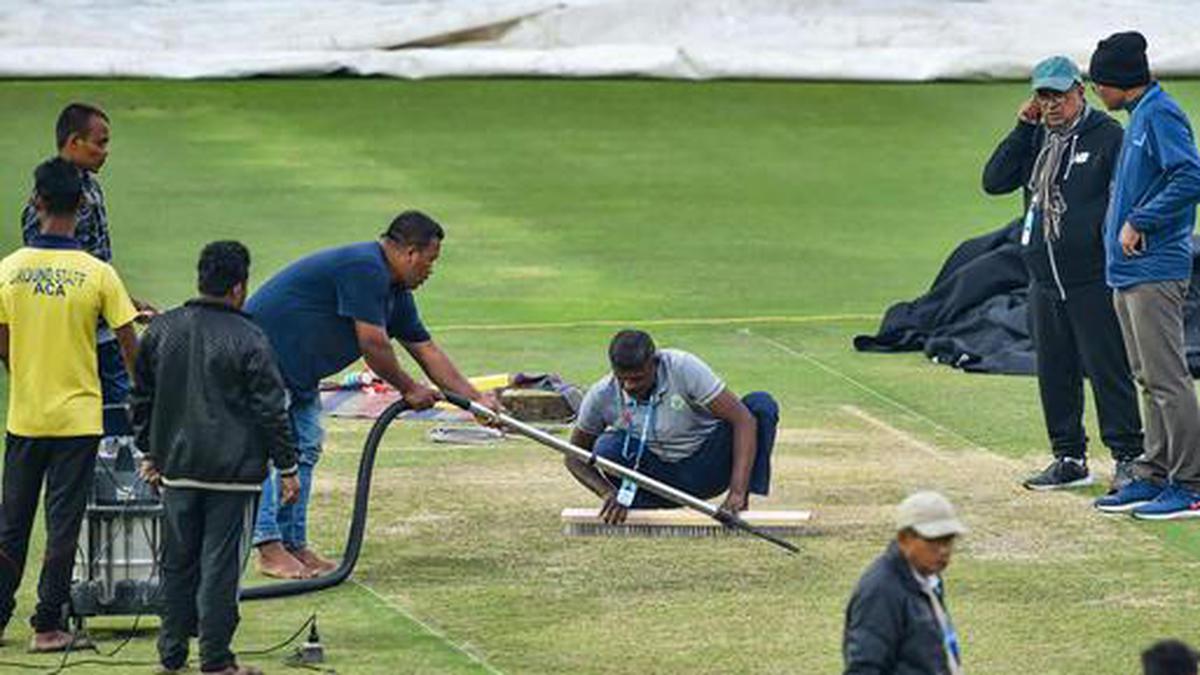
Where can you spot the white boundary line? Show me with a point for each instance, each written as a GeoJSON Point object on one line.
{"type": "Point", "coordinates": [615, 323]}
{"type": "Point", "coordinates": [464, 649]}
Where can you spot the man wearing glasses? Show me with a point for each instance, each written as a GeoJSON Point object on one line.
{"type": "Point", "coordinates": [321, 314]}
{"type": "Point", "coordinates": [1062, 154]}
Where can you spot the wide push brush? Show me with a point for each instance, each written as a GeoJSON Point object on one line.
{"type": "Point", "coordinates": [657, 487]}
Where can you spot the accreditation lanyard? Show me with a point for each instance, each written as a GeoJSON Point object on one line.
{"type": "Point", "coordinates": [949, 633]}
{"type": "Point", "coordinates": [647, 424]}
{"type": "Point", "coordinates": [628, 489]}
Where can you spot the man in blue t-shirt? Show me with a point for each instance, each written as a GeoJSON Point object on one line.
{"type": "Point", "coordinates": [321, 314]}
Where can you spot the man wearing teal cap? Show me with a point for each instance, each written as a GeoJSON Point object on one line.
{"type": "Point", "coordinates": [1062, 155]}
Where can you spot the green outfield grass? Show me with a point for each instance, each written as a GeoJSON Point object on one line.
{"type": "Point", "coordinates": [760, 225]}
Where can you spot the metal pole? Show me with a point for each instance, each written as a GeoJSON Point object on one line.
{"type": "Point", "coordinates": [657, 487]}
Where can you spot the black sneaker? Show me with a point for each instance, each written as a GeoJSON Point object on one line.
{"type": "Point", "coordinates": [1122, 476]}
{"type": "Point", "coordinates": [1062, 474]}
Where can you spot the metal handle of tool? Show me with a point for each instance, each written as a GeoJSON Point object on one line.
{"type": "Point", "coordinates": [657, 487]}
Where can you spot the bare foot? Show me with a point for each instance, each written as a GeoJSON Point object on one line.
{"type": "Point", "coordinates": [55, 641]}
{"type": "Point", "coordinates": [314, 561]}
{"type": "Point", "coordinates": [275, 561]}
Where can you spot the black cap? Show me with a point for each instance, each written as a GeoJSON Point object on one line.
{"type": "Point", "coordinates": [1120, 61]}
{"type": "Point", "coordinates": [59, 185]}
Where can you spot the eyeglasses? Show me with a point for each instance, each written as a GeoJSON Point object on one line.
{"type": "Point", "coordinates": [1052, 97]}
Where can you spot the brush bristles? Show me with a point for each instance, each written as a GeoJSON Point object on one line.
{"type": "Point", "coordinates": [714, 530]}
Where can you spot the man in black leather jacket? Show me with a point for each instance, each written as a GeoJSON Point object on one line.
{"type": "Point", "coordinates": [209, 410]}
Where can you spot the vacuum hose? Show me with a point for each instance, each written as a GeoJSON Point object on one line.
{"type": "Point", "coordinates": [358, 522]}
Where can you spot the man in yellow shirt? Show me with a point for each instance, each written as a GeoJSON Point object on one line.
{"type": "Point", "coordinates": [52, 293]}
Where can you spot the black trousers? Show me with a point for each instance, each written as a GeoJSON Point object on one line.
{"type": "Point", "coordinates": [204, 544]}
{"type": "Point", "coordinates": [1076, 338]}
{"type": "Point", "coordinates": [66, 466]}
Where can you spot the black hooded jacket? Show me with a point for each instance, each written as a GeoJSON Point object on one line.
{"type": "Point", "coordinates": [1078, 256]}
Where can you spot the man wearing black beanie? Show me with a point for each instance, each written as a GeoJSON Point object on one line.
{"type": "Point", "coordinates": [1148, 250]}
{"type": "Point", "coordinates": [1120, 62]}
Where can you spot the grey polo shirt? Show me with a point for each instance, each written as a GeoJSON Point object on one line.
{"type": "Point", "coordinates": [684, 388]}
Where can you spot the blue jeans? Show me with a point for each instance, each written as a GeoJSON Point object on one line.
{"type": "Point", "coordinates": [114, 388]}
{"type": "Point", "coordinates": [289, 522]}
{"type": "Point", "coordinates": [705, 474]}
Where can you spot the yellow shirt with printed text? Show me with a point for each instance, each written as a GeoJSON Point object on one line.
{"type": "Point", "coordinates": [52, 295]}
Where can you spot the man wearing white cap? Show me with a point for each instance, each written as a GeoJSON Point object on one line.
{"type": "Point", "coordinates": [897, 622]}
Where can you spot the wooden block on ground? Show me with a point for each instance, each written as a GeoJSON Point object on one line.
{"type": "Point", "coordinates": [536, 405]}
{"type": "Point", "coordinates": [680, 523]}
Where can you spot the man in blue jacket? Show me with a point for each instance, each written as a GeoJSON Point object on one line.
{"type": "Point", "coordinates": [1148, 246]}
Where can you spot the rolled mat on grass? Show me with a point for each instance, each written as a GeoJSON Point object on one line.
{"type": "Point", "coordinates": [975, 314]}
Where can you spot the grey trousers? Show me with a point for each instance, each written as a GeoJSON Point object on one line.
{"type": "Point", "coordinates": [1151, 318]}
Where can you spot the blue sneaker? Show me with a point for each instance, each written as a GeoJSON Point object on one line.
{"type": "Point", "coordinates": [1174, 503]}
{"type": "Point", "coordinates": [1137, 493]}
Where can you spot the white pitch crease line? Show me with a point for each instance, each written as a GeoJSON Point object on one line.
{"type": "Point", "coordinates": [886, 399]}
{"type": "Point", "coordinates": [464, 649]}
{"type": "Point", "coordinates": [907, 438]}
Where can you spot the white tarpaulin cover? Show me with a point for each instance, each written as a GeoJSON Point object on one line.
{"type": "Point", "coordinates": [904, 40]}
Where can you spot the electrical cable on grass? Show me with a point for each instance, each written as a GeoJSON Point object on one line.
{"type": "Point", "coordinates": [350, 557]}
{"type": "Point", "coordinates": [65, 662]}
{"type": "Point", "coordinates": [107, 658]}
{"type": "Point", "coordinates": [50, 670]}
{"type": "Point", "coordinates": [281, 645]}
{"type": "Point", "coordinates": [106, 661]}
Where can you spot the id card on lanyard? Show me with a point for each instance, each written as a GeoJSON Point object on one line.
{"type": "Point", "coordinates": [1030, 218]}
{"type": "Point", "coordinates": [628, 491]}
